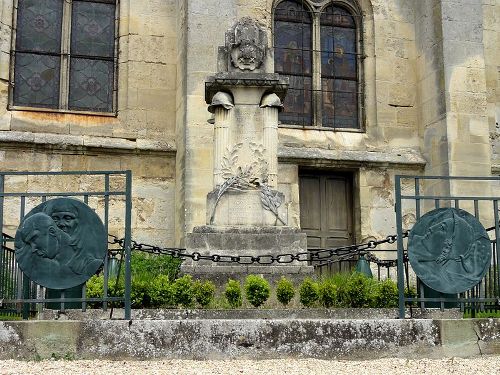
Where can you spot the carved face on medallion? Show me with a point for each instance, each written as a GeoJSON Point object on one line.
{"type": "Point", "coordinates": [61, 243]}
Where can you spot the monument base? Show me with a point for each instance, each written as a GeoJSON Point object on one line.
{"type": "Point", "coordinates": [245, 241]}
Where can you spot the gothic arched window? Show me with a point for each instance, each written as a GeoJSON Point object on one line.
{"type": "Point", "coordinates": [319, 52]}
{"type": "Point", "coordinates": [293, 58]}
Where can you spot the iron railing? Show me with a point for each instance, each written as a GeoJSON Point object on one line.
{"type": "Point", "coordinates": [425, 193]}
{"type": "Point", "coordinates": [110, 197]}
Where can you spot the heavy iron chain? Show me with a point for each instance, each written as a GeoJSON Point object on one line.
{"type": "Point", "coordinates": [330, 254]}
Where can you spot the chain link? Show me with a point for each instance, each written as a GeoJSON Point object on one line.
{"type": "Point", "coordinates": [314, 255]}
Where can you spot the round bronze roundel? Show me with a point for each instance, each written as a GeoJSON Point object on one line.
{"type": "Point", "coordinates": [449, 250]}
{"type": "Point", "coordinates": [61, 243]}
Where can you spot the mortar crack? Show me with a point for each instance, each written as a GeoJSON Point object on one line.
{"type": "Point", "coordinates": [478, 340]}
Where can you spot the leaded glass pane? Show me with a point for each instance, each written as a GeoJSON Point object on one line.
{"type": "Point", "coordinates": [91, 85]}
{"type": "Point", "coordinates": [293, 58]}
{"type": "Point", "coordinates": [292, 51]}
{"type": "Point", "coordinates": [338, 52]}
{"type": "Point", "coordinates": [336, 16]}
{"type": "Point", "coordinates": [36, 80]}
{"type": "Point", "coordinates": [297, 105]}
{"type": "Point", "coordinates": [340, 103]}
{"type": "Point", "coordinates": [39, 25]}
{"type": "Point", "coordinates": [292, 11]}
{"type": "Point", "coordinates": [93, 29]}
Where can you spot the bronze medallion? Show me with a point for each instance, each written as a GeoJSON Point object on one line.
{"type": "Point", "coordinates": [449, 250]}
{"type": "Point", "coordinates": [61, 243]}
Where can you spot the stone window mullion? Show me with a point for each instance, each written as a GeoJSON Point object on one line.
{"type": "Point", "coordinates": [65, 54]}
{"type": "Point", "coordinates": [316, 83]}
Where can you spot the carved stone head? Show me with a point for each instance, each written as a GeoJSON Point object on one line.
{"type": "Point", "coordinates": [246, 42]}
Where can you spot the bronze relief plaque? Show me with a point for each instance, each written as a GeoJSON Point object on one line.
{"type": "Point", "coordinates": [449, 250]}
{"type": "Point", "coordinates": [61, 243]}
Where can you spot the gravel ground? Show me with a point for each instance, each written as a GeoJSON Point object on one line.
{"type": "Point", "coordinates": [485, 365]}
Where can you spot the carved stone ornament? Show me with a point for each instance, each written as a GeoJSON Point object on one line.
{"type": "Point", "coordinates": [61, 243]}
{"type": "Point", "coordinates": [248, 177]}
{"type": "Point", "coordinates": [449, 250]}
{"type": "Point", "coordinates": [247, 44]}
{"type": "Point", "coordinates": [271, 100]}
{"type": "Point", "coordinates": [221, 99]}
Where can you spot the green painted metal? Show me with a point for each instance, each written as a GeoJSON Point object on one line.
{"type": "Point", "coordinates": [468, 268]}
{"type": "Point", "coordinates": [17, 291]}
{"type": "Point", "coordinates": [363, 266]}
{"type": "Point", "coordinates": [60, 243]}
{"type": "Point", "coordinates": [400, 267]}
{"type": "Point", "coordinates": [128, 245]}
{"type": "Point", "coordinates": [75, 292]}
{"type": "Point", "coordinates": [449, 250]}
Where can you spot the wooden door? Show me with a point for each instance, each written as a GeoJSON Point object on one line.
{"type": "Point", "coordinates": [326, 210]}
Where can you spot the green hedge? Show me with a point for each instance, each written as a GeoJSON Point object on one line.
{"type": "Point", "coordinates": [155, 284]}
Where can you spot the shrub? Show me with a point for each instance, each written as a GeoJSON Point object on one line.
{"type": "Point", "coordinates": [387, 294]}
{"type": "Point", "coordinates": [151, 281]}
{"type": "Point", "coordinates": [233, 293]}
{"type": "Point", "coordinates": [411, 293]}
{"type": "Point", "coordinates": [358, 291]}
{"type": "Point", "coordinates": [161, 292]}
{"type": "Point", "coordinates": [204, 292]}
{"type": "Point", "coordinates": [257, 290]}
{"type": "Point", "coordinates": [147, 267]}
{"type": "Point", "coordinates": [328, 293]}
{"type": "Point", "coordinates": [182, 290]}
{"type": "Point", "coordinates": [95, 287]}
{"type": "Point", "coordinates": [308, 292]}
{"type": "Point", "coordinates": [284, 291]}
{"type": "Point", "coordinates": [139, 294]}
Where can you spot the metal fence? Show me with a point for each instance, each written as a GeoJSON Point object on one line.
{"type": "Point", "coordinates": [108, 193]}
{"type": "Point", "coordinates": [416, 195]}
{"type": "Point", "coordinates": [385, 268]}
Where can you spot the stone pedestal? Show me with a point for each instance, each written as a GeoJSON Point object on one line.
{"type": "Point", "coordinates": [246, 241]}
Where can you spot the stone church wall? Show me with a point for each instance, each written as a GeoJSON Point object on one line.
{"type": "Point", "coordinates": [142, 135]}
{"type": "Point", "coordinates": [431, 107]}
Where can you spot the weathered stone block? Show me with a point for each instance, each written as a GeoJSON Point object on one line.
{"type": "Point", "coordinates": [246, 240]}
{"type": "Point", "coordinates": [243, 208]}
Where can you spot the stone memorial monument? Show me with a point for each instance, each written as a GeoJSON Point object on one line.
{"type": "Point", "coordinates": [246, 213]}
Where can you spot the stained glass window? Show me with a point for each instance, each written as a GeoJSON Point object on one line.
{"type": "Point", "coordinates": [93, 29]}
{"type": "Point", "coordinates": [65, 55]}
{"type": "Point", "coordinates": [321, 62]}
{"type": "Point", "coordinates": [338, 68]}
{"type": "Point", "coordinates": [91, 85]}
{"type": "Point", "coordinates": [37, 80]}
{"type": "Point", "coordinates": [293, 58]}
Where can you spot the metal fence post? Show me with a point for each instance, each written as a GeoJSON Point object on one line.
{"type": "Point", "coordinates": [399, 221]}
{"type": "Point", "coordinates": [128, 223]}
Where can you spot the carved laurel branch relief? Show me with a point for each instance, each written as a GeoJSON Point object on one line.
{"type": "Point", "coordinates": [248, 177]}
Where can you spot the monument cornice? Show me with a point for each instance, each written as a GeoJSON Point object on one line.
{"type": "Point", "coordinates": [225, 81]}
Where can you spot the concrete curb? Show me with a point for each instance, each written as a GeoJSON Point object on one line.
{"type": "Point", "coordinates": [249, 338]}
